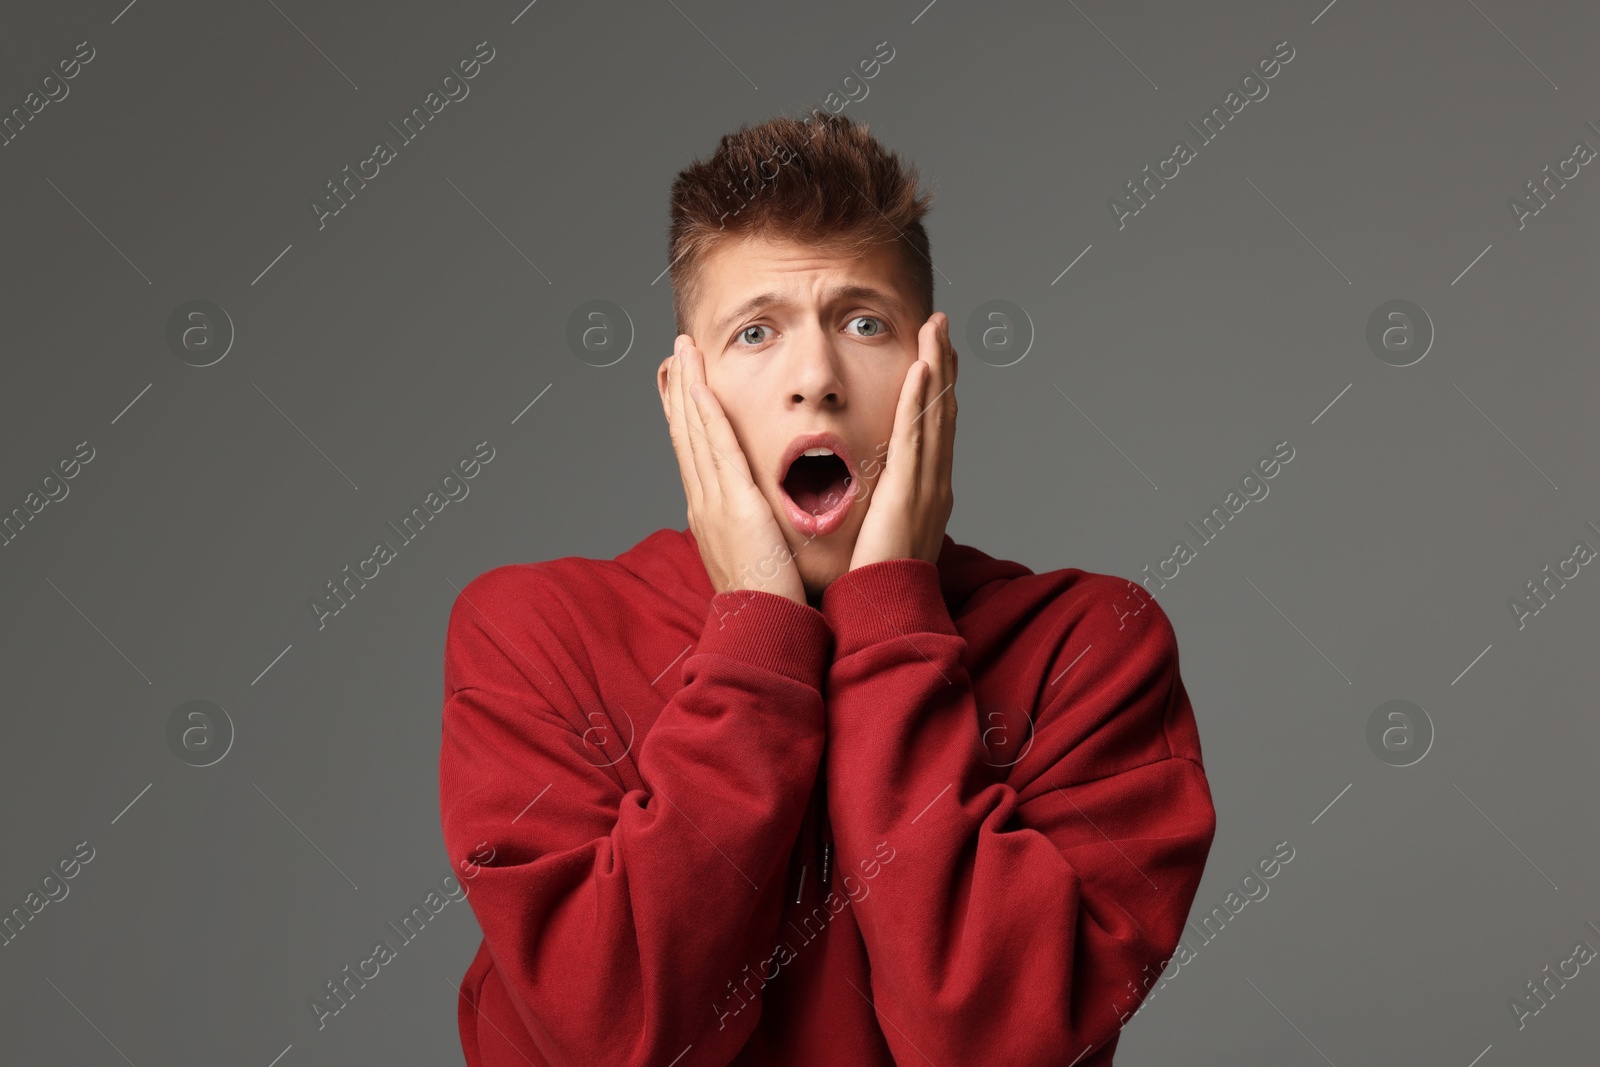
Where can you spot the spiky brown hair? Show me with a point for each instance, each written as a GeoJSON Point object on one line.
{"type": "Point", "coordinates": [824, 180]}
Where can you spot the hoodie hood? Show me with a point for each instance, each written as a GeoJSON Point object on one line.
{"type": "Point", "coordinates": [670, 560]}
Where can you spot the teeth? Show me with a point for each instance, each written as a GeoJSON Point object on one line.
{"type": "Point", "coordinates": [817, 452]}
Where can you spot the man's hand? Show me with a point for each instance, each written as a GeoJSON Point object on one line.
{"type": "Point", "coordinates": [912, 500]}
{"type": "Point", "coordinates": [740, 541]}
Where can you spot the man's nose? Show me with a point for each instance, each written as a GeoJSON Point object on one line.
{"type": "Point", "coordinates": [813, 368]}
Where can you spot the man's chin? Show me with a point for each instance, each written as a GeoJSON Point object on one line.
{"type": "Point", "coordinates": [819, 560]}
{"type": "Point", "coordinates": [817, 575]}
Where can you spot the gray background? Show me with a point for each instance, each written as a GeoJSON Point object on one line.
{"type": "Point", "coordinates": [373, 354]}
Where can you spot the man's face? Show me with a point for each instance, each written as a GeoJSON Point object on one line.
{"type": "Point", "coordinates": [827, 352]}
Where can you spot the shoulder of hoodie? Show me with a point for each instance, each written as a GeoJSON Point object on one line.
{"type": "Point", "coordinates": [1073, 603]}
{"type": "Point", "coordinates": [1085, 636]}
{"type": "Point", "coordinates": [1104, 651]}
{"type": "Point", "coordinates": [545, 599]}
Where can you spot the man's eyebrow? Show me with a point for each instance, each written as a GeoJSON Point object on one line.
{"type": "Point", "coordinates": [843, 292]}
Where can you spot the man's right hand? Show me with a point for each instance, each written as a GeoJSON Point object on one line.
{"type": "Point", "coordinates": [740, 541]}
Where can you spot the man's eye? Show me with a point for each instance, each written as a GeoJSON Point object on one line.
{"type": "Point", "coordinates": [873, 330]}
{"type": "Point", "coordinates": [746, 332]}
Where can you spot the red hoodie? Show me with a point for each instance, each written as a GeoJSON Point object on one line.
{"type": "Point", "coordinates": [999, 770]}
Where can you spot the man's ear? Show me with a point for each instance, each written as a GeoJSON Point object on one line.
{"type": "Point", "coordinates": [661, 386]}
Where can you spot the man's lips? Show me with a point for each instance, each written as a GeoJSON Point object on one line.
{"type": "Point", "coordinates": [824, 497]}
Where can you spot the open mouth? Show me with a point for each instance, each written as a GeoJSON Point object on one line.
{"type": "Point", "coordinates": [818, 484]}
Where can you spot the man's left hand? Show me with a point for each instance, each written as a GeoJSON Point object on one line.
{"type": "Point", "coordinates": [912, 499]}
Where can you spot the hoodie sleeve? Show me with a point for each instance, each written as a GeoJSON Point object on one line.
{"type": "Point", "coordinates": [1026, 902]}
{"type": "Point", "coordinates": [618, 906]}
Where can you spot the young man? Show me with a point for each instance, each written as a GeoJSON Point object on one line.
{"type": "Point", "coordinates": [809, 782]}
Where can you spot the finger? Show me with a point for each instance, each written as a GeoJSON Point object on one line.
{"type": "Point", "coordinates": [904, 464]}
{"type": "Point", "coordinates": [956, 357]}
{"type": "Point", "coordinates": [906, 441]}
{"type": "Point", "coordinates": [681, 431]}
{"type": "Point", "coordinates": [944, 454]}
{"type": "Point", "coordinates": [933, 411]}
{"type": "Point", "coordinates": [726, 452]}
{"type": "Point", "coordinates": [705, 457]}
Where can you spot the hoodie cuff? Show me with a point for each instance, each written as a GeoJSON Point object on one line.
{"type": "Point", "coordinates": [769, 631]}
{"type": "Point", "coordinates": [883, 601]}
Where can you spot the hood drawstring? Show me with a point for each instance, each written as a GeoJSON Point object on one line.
{"type": "Point", "coordinates": [807, 823]}
{"type": "Point", "coordinates": [816, 829]}
{"type": "Point", "coordinates": [825, 835]}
